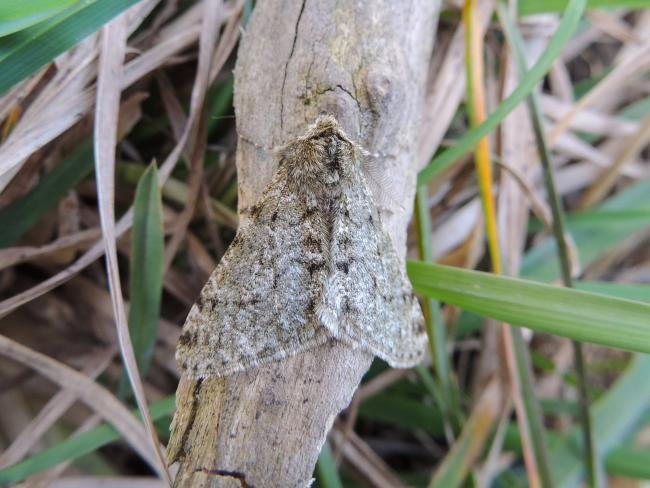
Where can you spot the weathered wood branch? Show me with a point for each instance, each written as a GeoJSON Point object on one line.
{"type": "Point", "coordinates": [366, 63]}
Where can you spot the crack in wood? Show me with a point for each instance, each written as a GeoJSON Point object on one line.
{"type": "Point", "coordinates": [190, 423]}
{"type": "Point", "coordinates": [238, 475]}
{"type": "Point", "coordinates": [286, 65]}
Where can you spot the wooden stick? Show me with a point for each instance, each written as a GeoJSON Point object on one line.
{"type": "Point", "coordinates": [366, 63]}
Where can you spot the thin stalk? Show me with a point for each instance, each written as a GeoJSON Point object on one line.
{"type": "Point", "coordinates": [477, 115]}
{"type": "Point", "coordinates": [516, 353]}
{"type": "Point", "coordinates": [434, 322]}
{"type": "Point", "coordinates": [326, 469]}
{"type": "Point", "coordinates": [564, 32]}
{"type": "Point", "coordinates": [536, 434]}
{"type": "Point", "coordinates": [454, 468]}
{"type": "Point", "coordinates": [516, 43]}
{"type": "Point", "coordinates": [435, 325]}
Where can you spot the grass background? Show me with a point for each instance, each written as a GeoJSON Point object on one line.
{"type": "Point", "coordinates": [577, 100]}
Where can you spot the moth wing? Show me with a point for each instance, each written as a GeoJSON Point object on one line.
{"type": "Point", "coordinates": [376, 307]}
{"type": "Point", "coordinates": [260, 303]}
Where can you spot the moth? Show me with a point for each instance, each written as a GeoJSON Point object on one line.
{"type": "Point", "coordinates": [312, 263]}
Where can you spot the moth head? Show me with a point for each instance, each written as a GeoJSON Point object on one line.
{"type": "Point", "coordinates": [324, 154]}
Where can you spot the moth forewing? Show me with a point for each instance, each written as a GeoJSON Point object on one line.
{"type": "Point", "coordinates": [313, 264]}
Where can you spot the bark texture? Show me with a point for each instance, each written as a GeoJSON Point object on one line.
{"type": "Point", "coordinates": [365, 62]}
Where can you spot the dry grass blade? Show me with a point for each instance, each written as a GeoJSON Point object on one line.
{"type": "Point", "coordinates": [524, 420]}
{"type": "Point", "coordinates": [515, 352]}
{"type": "Point", "coordinates": [364, 460]}
{"type": "Point", "coordinates": [49, 477]}
{"type": "Point", "coordinates": [468, 446]}
{"type": "Point", "coordinates": [19, 92]}
{"type": "Point", "coordinates": [17, 255]}
{"type": "Point", "coordinates": [51, 412]}
{"type": "Point", "coordinates": [394, 432]}
{"type": "Point", "coordinates": [10, 304]}
{"type": "Point", "coordinates": [634, 63]}
{"type": "Point", "coordinates": [67, 98]}
{"type": "Point", "coordinates": [198, 95]}
{"type": "Point", "coordinates": [106, 118]}
{"type": "Point", "coordinates": [516, 140]}
{"type": "Point", "coordinates": [560, 81]}
{"type": "Point", "coordinates": [199, 90]}
{"type": "Point", "coordinates": [208, 40]}
{"type": "Point", "coordinates": [587, 120]}
{"type": "Point", "coordinates": [55, 109]}
{"type": "Point", "coordinates": [229, 39]}
{"type": "Point", "coordinates": [158, 55]}
{"type": "Point", "coordinates": [537, 205]}
{"type": "Point", "coordinates": [107, 481]}
{"type": "Point", "coordinates": [449, 78]}
{"type": "Point", "coordinates": [178, 192]}
{"type": "Point", "coordinates": [196, 175]}
{"type": "Point", "coordinates": [495, 456]}
{"type": "Point", "coordinates": [613, 26]}
{"type": "Point", "coordinates": [574, 147]}
{"type": "Point", "coordinates": [607, 178]}
{"type": "Point", "coordinates": [172, 105]}
{"type": "Point", "coordinates": [95, 396]}
{"type": "Point", "coordinates": [477, 114]}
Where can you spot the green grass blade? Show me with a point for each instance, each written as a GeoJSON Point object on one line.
{"type": "Point", "coordinates": [219, 99]}
{"type": "Point", "coordinates": [399, 410]}
{"type": "Point", "coordinates": [622, 460]}
{"type": "Point", "coordinates": [595, 231]}
{"type": "Point", "coordinates": [640, 293]}
{"type": "Point", "coordinates": [146, 272]}
{"type": "Point", "coordinates": [453, 470]}
{"type": "Point", "coordinates": [533, 417]}
{"type": "Point", "coordinates": [616, 414]}
{"type": "Point", "coordinates": [629, 462]}
{"type": "Point", "coordinates": [435, 325]}
{"type": "Point", "coordinates": [565, 30]}
{"type": "Point", "coordinates": [19, 216]}
{"type": "Point", "coordinates": [610, 425]}
{"type": "Point", "coordinates": [436, 329]}
{"type": "Point", "coordinates": [456, 465]}
{"type": "Point", "coordinates": [24, 52]}
{"type": "Point", "coordinates": [248, 10]}
{"type": "Point", "coordinates": [531, 7]}
{"type": "Point", "coordinates": [579, 315]}
{"type": "Point", "coordinates": [592, 238]}
{"type": "Point", "coordinates": [537, 121]}
{"type": "Point", "coordinates": [16, 15]}
{"type": "Point", "coordinates": [326, 470]}
{"type": "Point", "coordinates": [75, 447]}
{"type": "Point", "coordinates": [594, 218]}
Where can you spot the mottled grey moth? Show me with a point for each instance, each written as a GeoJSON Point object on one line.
{"type": "Point", "coordinates": [311, 264]}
